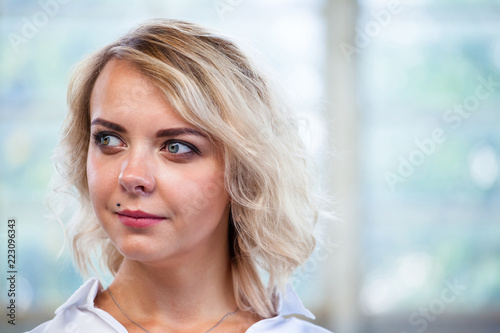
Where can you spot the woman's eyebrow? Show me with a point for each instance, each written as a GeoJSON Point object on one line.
{"type": "Point", "coordinates": [159, 134]}
{"type": "Point", "coordinates": [108, 124]}
{"type": "Point", "coordinates": [178, 131]}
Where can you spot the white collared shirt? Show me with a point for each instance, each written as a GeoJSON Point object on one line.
{"type": "Point", "coordinates": [79, 315]}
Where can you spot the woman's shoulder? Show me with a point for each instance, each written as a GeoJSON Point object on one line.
{"type": "Point", "coordinates": [78, 314]}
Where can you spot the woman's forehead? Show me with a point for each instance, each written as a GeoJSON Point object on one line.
{"type": "Point", "coordinates": [123, 93]}
{"type": "Point", "coordinates": [119, 79]}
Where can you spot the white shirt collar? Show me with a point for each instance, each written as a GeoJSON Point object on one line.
{"type": "Point", "coordinates": [291, 304]}
{"type": "Point", "coordinates": [83, 297]}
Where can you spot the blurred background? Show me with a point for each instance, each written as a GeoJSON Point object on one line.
{"type": "Point", "coordinates": [401, 105]}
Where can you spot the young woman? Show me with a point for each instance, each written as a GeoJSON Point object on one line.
{"type": "Point", "coordinates": [192, 181]}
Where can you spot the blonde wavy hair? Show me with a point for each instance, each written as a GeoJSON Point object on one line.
{"type": "Point", "coordinates": [212, 85]}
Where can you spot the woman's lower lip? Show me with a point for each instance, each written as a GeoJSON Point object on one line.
{"type": "Point", "coordinates": [134, 222]}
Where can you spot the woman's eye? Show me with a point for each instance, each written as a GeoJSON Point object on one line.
{"type": "Point", "coordinates": [107, 140]}
{"type": "Point", "coordinates": [178, 148]}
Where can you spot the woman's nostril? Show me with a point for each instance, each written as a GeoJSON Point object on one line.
{"type": "Point", "coordinates": [135, 182]}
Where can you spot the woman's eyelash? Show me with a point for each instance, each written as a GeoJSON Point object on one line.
{"type": "Point", "coordinates": [98, 137]}
{"type": "Point", "coordinates": [184, 143]}
{"type": "Point", "coordinates": [102, 134]}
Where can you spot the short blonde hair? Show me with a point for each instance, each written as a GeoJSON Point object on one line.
{"type": "Point", "coordinates": [212, 85]}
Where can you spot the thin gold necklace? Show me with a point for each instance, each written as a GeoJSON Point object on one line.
{"type": "Point", "coordinates": [145, 330]}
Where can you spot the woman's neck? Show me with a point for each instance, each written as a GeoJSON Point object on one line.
{"type": "Point", "coordinates": [180, 293]}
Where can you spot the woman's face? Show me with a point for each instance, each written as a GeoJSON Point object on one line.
{"type": "Point", "coordinates": [166, 175]}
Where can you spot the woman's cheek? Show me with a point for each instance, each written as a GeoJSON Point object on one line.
{"type": "Point", "coordinates": [98, 181]}
{"type": "Point", "coordinates": [204, 197]}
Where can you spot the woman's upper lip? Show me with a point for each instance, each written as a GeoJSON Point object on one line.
{"type": "Point", "coordinates": [139, 214]}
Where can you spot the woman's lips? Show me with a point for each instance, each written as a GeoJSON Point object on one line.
{"type": "Point", "coordinates": [138, 219]}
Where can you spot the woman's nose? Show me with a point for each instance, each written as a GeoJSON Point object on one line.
{"type": "Point", "coordinates": [137, 175]}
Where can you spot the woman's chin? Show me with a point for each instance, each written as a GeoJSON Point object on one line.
{"type": "Point", "coordinates": [142, 251]}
